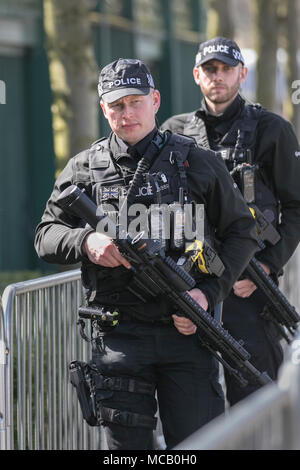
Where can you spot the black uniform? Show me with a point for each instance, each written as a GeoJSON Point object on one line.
{"type": "Point", "coordinates": [145, 345]}
{"type": "Point", "coordinates": [275, 151]}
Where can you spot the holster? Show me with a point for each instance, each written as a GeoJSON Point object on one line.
{"type": "Point", "coordinates": [80, 378]}
{"type": "Point", "coordinates": [92, 388]}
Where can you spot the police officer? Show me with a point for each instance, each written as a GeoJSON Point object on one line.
{"type": "Point", "coordinates": [247, 133]}
{"type": "Point", "coordinates": [151, 349]}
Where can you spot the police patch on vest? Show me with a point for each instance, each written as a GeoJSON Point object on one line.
{"type": "Point", "coordinates": [146, 190]}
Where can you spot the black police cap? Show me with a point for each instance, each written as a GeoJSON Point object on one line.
{"type": "Point", "coordinates": [219, 48]}
{"type": "Point", "coordinates": [124, 77]}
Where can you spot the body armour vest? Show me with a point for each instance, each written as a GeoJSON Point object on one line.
{"type": "Point", "coordinates": [110, 180]}
{"type": "Point", "coordinates": [245, 125]}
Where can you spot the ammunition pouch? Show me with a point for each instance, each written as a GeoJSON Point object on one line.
{"type": "Point", "coordinates": [92, 388]}
{"type": "Point", "coordinates": [200, 257]}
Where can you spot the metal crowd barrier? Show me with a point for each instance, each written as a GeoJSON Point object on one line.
{"type": "Point", "coordinates": [38, 339]}
{"type": "Point", "coordinates": [2, 380]}
{"type": "Point", "coordinates": [39, 408]}
{"type": "Point", "coordinates": [269, 419]}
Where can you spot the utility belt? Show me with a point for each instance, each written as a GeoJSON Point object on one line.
{"type": "Point", "coordinates": [127, 317]}
{"type": "Point", "coordinates": [93, 387]}
{"type": "Point", "coordinates": [106, 317]}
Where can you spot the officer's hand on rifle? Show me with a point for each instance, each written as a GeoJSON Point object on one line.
{"type": "Point", "coordinates": [183, 324]}
{"type": "Point", "coordinates": [246, 287]}
{"type": "Point", "coordinates": [101, 250]}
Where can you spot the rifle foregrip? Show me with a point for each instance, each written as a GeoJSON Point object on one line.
{"type": "Point", "coordinates": [188, 280]}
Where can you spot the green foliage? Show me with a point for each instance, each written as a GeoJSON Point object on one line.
{"type": "Point", "coordinates": [11, 277]}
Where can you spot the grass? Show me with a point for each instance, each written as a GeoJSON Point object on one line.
{"type": "Point", "coordinates": [11, 277]}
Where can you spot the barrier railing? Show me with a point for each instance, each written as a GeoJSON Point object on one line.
{"type": "Point", "coordinates": [3, 407]}
{"type": "Point", "coordinates": [39, 407]}
{"type": "Point", "coordinates": [269, 419]}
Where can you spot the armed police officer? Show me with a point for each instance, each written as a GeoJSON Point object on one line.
{"type": "Point", "coordinates": [248, 137]}
{"type": "Point", "coordinates": [151, 349]}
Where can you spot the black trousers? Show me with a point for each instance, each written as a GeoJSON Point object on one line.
{"type": "Point", "coordinates": [184, 373]}
{"type": "Point", "coordinates": [243, 319]}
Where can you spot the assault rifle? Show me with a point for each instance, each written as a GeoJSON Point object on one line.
{"type": "Point", "coordinates": [278, 310]}
{"type": "Point", "coordinates": [157, 274]}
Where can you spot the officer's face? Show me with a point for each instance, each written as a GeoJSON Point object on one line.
{"type": "Point", "coordinates": [133, 116]}
{"type": "Point", "coordinates": [218, 81]}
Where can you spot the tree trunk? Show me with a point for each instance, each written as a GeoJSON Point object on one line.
{"type": "Point", "coordinates": [266, 47]}
{"type": "Point", "coordinates": [73, 75]}
{"type": "Point", "coordinates": [290, 281]}
{"type": "Point", "coordinates": [220, 19]}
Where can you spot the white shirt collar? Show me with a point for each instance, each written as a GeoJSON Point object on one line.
{"type": "Point", "coordinates": [122, 144]}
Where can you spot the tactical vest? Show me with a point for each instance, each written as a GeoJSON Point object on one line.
{"type": "Point", "coordinates": [106, 286]}
{"type": "Point", "coordinates": [109, 181]}
{"type": "Point", "coordinates": [246, 124]}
